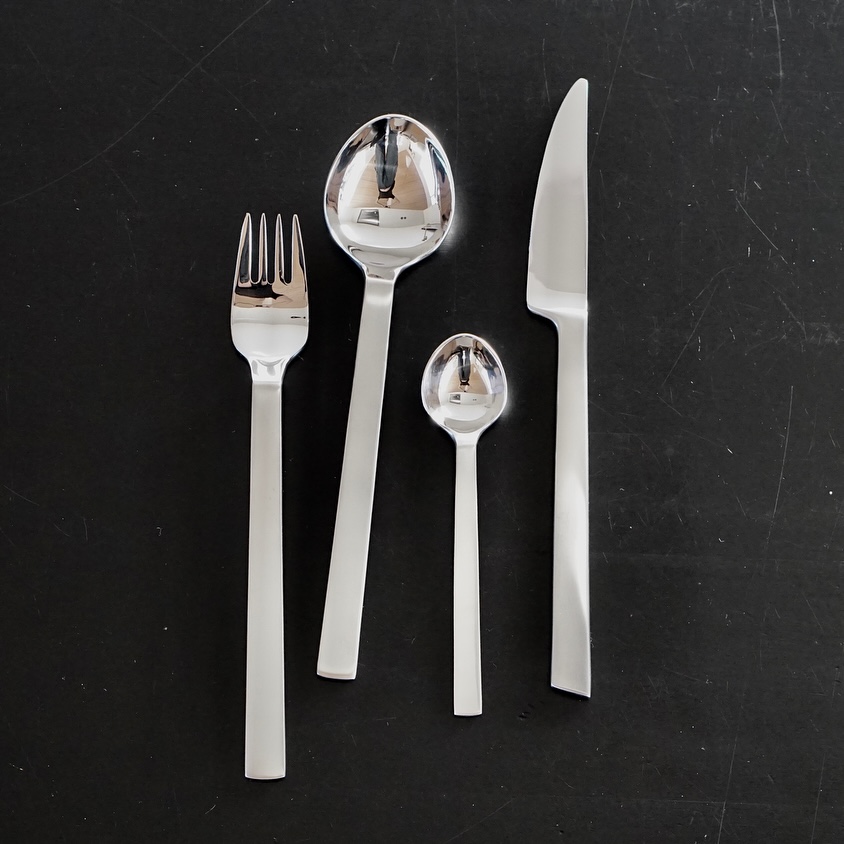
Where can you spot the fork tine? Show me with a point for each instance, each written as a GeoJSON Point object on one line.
{"type": "Point", "coordinates": [279, 251]}
{"type": "Point", "coordinates": [243, 269]}
{"type": "Point", "coordinates": [298, 275]}
{"type": "Point", "coordinates": [262, 251]}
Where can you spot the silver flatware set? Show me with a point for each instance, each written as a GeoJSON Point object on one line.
{"type": "Point", "coordinates": [389, 202]}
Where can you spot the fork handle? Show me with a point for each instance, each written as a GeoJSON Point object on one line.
{"type": "Point", "coordinates": [340, 640]}
{"type": "Point", "coordinates": [265, 740]}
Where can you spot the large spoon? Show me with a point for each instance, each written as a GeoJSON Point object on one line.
{"type": "Point", "coordinates": [389, 202]}
{"type": "Point", "coordinates": [464, 390]}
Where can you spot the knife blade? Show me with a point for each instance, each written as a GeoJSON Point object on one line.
{"type": "Point", "coordinates": [556, 289]}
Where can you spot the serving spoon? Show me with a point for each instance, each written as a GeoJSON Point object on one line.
{"type": "Point", "coordinates": [389, 202]}
{"type": "Point", "coordinates": [464, 390]}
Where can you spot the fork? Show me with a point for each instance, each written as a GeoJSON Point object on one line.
{"type": "Point", "coordinates": [269, 319]}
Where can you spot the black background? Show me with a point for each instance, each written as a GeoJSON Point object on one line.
{"type": "Point", "coordinates": [134, 135]}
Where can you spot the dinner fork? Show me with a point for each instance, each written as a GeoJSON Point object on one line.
{"type": "Point", "coordinates": [269, 319]}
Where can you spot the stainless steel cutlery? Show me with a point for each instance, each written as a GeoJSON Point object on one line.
{"type": "Point", "coordinates": [269, 324]}
{"type": "Point", "coordinates": [556, 289]}
{"type": "Point", "coordinates": [464, 390]}
{"type": "Point", "coordinates": [388, 203]}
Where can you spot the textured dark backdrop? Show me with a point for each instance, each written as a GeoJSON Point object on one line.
{"type": "Point", "coordinates": [134, 135]}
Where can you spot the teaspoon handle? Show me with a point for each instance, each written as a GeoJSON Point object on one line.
{"type": "Point", "coordinates": [467, 615]}
{"type": "Point", "coordinates": [340, 639]}
{"type": "Point", "coordinates": [265, 741]}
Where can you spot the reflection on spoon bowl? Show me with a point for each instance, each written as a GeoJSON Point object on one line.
{"type": "Point", "coordinates": [389, 199]}
{"type": "Point", "coordinates": [464, 388]}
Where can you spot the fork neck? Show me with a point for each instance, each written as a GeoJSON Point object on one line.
{"type": "Point", "coordinates": [268, 372]}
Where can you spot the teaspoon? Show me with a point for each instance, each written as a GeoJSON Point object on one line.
{"type": "Point", "coordinates": [389, 202]}
{"type": "Point", "coordinates": [464, 390]}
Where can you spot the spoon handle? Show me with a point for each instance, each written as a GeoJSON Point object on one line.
{"type": "Point", "coordinates": [340, 640]}
{"type": "Point", "coordinates": [467, 611]}
{"type": "Point", "coordinates": [265, 742]}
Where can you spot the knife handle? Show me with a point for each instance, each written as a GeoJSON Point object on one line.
{"type": "Point", "coordinates": [341, 622]}
{"type": "Point", "coordinates": [265, 739]}
{"type": "Point", "coordinates": [467, 610]}
{"type": "Point", "coordinates": [570, 642]}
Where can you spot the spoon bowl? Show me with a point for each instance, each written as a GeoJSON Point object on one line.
{"type": "Point", "coordinates": [464, 390]}
{"type": "Point", "coordinates": [389, 202]}
{"type": "Point", "coordinates": [389, 197]}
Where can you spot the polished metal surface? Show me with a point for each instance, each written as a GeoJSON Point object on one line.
{"type": "Point", "coordinates": [464, 390]}
{"type": "Point", "coordinates": [389, 198]}
{"type": "Point", "coordinates": [557, 257]}
{"type": "Point", "coordinates": [556, 289]}
{"type": "Point", "coordinates": [276, 292]}
{"type": "Point", "coordinates": [269, 323]}
{"type": "Point", "coordinates": [389, 202]}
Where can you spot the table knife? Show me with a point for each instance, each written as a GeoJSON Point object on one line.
{"type": "Point", "coordinates": [556, 289]}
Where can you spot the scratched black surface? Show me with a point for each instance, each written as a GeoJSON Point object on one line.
{"type": "Point", "coordinates": [134, 135]}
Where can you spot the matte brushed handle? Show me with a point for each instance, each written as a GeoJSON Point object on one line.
{"type": "Point", "coordinates": [265, 737]}
{"type": "Point", "coordinates": [570, 644]}
{"type": "Point", "coordinates": [341, 624]}
{"type": "Point", "coordinates": [467, 608]}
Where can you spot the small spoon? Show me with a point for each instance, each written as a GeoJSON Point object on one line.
{"type": "Point", "coordinates": [389, 201]}
{"type": "Point", "coordinates": [464, 390]}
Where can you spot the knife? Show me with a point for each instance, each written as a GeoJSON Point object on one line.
{"type": "Point", "coordinates": [556, 289]}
